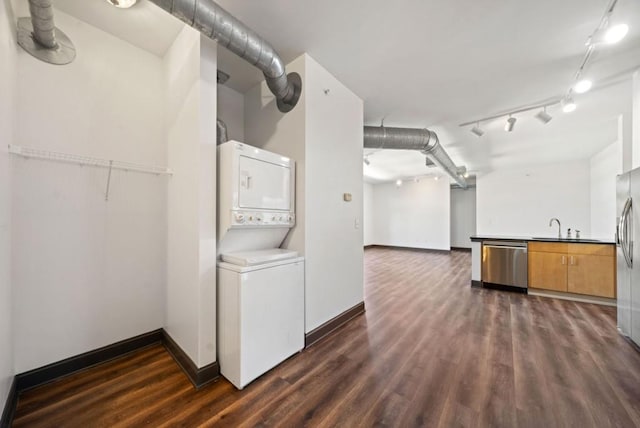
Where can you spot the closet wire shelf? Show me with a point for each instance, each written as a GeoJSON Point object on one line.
{"type": "Point", "coordinates": [29, 152]}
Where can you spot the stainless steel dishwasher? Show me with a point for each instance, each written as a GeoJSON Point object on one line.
{"type": "Point", "coordinates": [505, 263]}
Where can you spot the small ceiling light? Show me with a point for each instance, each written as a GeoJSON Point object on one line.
{"type": "Point", "coordinates": [616, 33]}
{"type": "Point", "coordinates": [477, 131]}
{"type": "Point", "coordinates": [543, 116]}
{"type": "Point", "coordinates": [568, 105]}
{"type": "Point", "coordinates": [437, 177]}
{"type": "Point", "coordinates": [366, 161]}
{"type": "Point", "coordinates": [582, 86]}
{"type": "Point", "coordinates": [511, 122]}
{"type": "Point", "coordinates": [466, 174]}
{"type": "Point", "coordinates": [123, 4]}
{"type": "Point", "coordinates": [398, 183]}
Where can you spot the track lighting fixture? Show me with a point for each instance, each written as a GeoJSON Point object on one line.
{"type": "Point", "coordinates": [616, 33]}
{"type": "Point", "coordinates": [605, 33]}
{"type": "Point", "coordinates": [366, 161]}
{"type": "Point", "coordinates": [568, 105]}
{"type": "Point", "coordinates": [123, 4]}
{"type": "Point", "coordinates": [511, 122]}
{"type": "Point", "coordinates": [608, 35]}
{"type": "Point", "coordinates": [582, 86]}
{"type": "Point", "coordinates": [543, 116]}
{"type": "Point", "coordinates": [476, 130]}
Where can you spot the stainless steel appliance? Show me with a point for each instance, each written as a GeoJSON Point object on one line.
{"type": "Point", "coordinates": [504, 263]}
{"type": "Point", "coordinates": [627, 233]}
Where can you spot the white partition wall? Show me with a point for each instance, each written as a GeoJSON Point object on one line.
{"type": "Point", "coordinates": [190, 76]}
{"type": "Point", "coordinates": [323, 134]}
{"type": "Point", "coordinates": [7, 118]}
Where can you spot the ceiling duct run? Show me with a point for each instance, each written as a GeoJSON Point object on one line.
{"type": "Point", "coordinates": [423, 140]}
{"type": "Point", "coordinates": [213, 21]}
{"type": "Point", "coordinates": [39, 36]}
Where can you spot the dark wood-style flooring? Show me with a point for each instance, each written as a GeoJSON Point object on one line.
{"type": "Point", "coordinates": [430, 351]}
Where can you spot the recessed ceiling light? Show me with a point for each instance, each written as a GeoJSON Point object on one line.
{"type": "Point", "coordinates": [437, 177]}
{"type": "Point", "coordinates": [123, 4]}
{"type": "Point", "coordinates": [398, 182]}
{"type": "Point", "coordinates": [582, 86]}
{"type": "Point", "coordinates": [568, 105]}
{"type": "Point", "coordinates": [616, 33]}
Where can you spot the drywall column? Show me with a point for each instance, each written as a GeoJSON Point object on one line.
{"type": "Point", "coordinates": [7, 118]}
{"type": "Point", "coordinates": [463, 216]}
{"type": "Point", "coordinates": [323, 134]}
{"type": "Point", "coordinates": [190, 76]}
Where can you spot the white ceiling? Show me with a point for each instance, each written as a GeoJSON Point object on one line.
{"type": "Point", "coordinates": [435, 64]}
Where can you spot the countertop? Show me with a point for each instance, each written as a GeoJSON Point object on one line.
{"type": "Point", "coordinates": [480, 238]}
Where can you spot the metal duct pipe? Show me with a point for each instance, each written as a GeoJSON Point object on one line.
{"type": "Point", "coordinates": [43, 24]}
{"type": "Point", "coordinates": [221, 132]}
{"type": "Point", "coordinates": [39, 36]}
{"type": "Point", "coordinates": [424, 140]}
{"type": "Point", "coordinates": [216, 23]}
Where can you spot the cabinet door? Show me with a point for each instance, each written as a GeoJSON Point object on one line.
{"type": "Point", "coordinates": [592, 275]}
{"type": "Point", "coordinates": [548, 271]}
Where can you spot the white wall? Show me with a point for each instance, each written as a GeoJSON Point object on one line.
{"type": "Point", "coordinates": [463, 216]}
{"type": "Point", "coordinates": [334, 266]}
{"type": "Point", "coordinates": [415, 215]}
{"type": "Point", "coordinates": [231, 112]}
{"type": "Point", "coordinates": [367, 214]}
{"type": "Point", "coordinates": [7, 117]}
{"type": "Point", "coordinates": [87, 272]}
{"type": "Point", "coordinates": [520, 202]}
{"type": "Point", "coordinates": [604, 166]}
{"type": "Point", "coordinates": [190, 73]}
{"type": "Point", "coordinates": [323, 134]}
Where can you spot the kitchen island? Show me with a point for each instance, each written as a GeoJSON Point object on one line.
{"type": "Point", "coordinates": [576, 269]}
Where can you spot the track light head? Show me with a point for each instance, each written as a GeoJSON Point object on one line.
{"type": "Point", "coordinates": [582, 86]}
{"type": "Point", "coordinates": [366, 161]}
{"type": "Point", "coordinates": [568, 105]}
{"type": "Point", "coordinates": [477, 130]}
{"type": "Point", "coordinates": [543, 116]}
{"type": "Point", "coordinates": [511, 122]}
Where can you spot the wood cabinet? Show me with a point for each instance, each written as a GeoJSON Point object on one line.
{"type": "Point", "coordinates": [575, 268]}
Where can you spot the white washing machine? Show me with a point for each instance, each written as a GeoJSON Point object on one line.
{"type": "Point", "coordinates": [260, 312]}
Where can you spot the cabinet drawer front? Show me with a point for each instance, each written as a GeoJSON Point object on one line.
{"type": "Point", "coordinates": [593, 249]}
{"type": "Point", "coordinates": [548, 247]}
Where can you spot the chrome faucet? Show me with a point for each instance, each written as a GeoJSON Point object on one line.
{"type": "Point", "coordinates": [559, 229]}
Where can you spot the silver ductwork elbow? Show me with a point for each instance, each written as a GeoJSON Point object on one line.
{"type": "Point", "coordinates": [39, 36]}
{"type": "Point", "coordinates": [216, 23]}
{"type": "Point", "coordinates": [423, 140]}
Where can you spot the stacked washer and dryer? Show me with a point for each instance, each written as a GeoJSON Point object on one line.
{"type": "Point", "coordinates": [260, 285]}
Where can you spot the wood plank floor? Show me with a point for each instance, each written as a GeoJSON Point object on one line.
{"type": "Point", "coordinates": [430, 351]}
